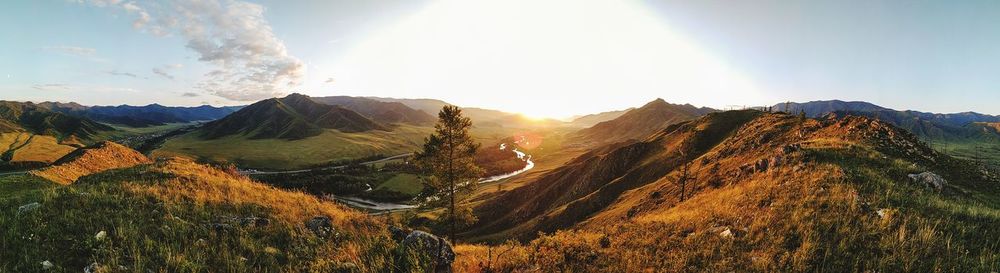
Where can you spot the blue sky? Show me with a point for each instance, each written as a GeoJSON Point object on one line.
{"type": "Point", "coordinates": [544, 58]}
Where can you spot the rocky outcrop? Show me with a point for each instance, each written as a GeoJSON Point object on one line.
{"type": "Point", "coordinates": [930, 180]}
{"type": "Point", "coordinates": [426, 244]}
{"type": "Point", "coordinates": [322, 226]}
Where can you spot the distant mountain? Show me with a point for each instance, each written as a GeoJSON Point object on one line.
{"type": "Point", "coordinates": [35, 119]}
{"type": "Point", "coordinates": [296, 116]}
{"type": "Point", "coordinates": [142, 116]}
{"type": "Point", "coordinates": [957, 126]}
{"type": "Point", "coordinates": [594, 119]}
{"type": "Point", "coordinates": [639, 123]}
{"type": "Point", "coordinates": [381, 111]}
{"type": "Point", "coordinates": [480, 117]}
{"type": "Point", "coordinates": [820, 108]}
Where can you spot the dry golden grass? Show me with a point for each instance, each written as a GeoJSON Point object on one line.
{"type": "Point", "coordinates": [198, 184]}
{"type": "Point", "coordinates": [838, 201]}
{"type": "Point", "coordinates": [41, 148]}
{"type": "Point", "coordinates": [97, 158]}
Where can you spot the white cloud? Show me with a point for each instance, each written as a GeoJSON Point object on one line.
{"type": "Point", "coordinates": [162, 72]}
{"type": "Point", "coordinates": [250, 62]}
{"type": "Point", "coordinates": [51, 87]}
{"type": "Point", "coordinates": [116, 73]}
{"type": "Point", "coordinates": [72, 50]}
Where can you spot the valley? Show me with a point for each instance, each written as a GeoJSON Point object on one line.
{"type": "Point", "coordinates": [766, 187]}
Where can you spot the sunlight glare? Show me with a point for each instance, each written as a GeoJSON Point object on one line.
{"type": "Point", "coordinates": [547, 58]}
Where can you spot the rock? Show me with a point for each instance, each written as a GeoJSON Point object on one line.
{"type": "Point", "coordinates": [322, 226]}
{"type": "Point", "coordinates": [46, 265]}
{"type": "Point", "coordinates": [28, 208]}
{"type": "Point", "coordinates": [882, 213]}
{"type": "Point", "coordinates": [397, 233]}
{"type": "Point", "coordinates": [930, 180]}
{"type": "Point", "coordinates": [433, 246]}
{"type": "Point", "coordinates": [92, 268]}
{"type": "Point", "coordinates": [728, 233]}
{"type": "Point", "coordinates": [100, 236]}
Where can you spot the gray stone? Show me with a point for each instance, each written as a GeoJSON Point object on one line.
{"type": "Point", "coordinates": [930, 180]}
{"type": "Point", "coordinates": [432, 246]}
{"type": "Point", "coordinates": [322, 226]}
{"type": "Point", "coordinates": [28, 207]}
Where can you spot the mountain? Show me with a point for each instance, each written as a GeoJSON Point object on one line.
{"type": "Point", "coordinates": [89, 160]}
{"type": "Point", "coordinates": [641, 122]}
{"type": "Point", "coordinates": [32, 118]}
{"type": "Point", "coordinates": [142, 116]}
{"type": "Point", "coordinates": [296, 116]}
{"type": "Point", "coordinates": [380, 111]}
{"type": "Point", "coordinates": [752, 191]}
{"type": "Point", "coordinates": [820, 108]}
{"type": "Point", "coordinates": [480, 117]}
{"type": "Point", "coordinates": [429, 106]}
{"type": "Point", "coordinates": [593, 119]}
{"type": "Point", "coordinates": [931, 126]}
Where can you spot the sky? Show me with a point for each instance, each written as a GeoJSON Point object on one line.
{"type": "Point", "coordinates": [543, 58]}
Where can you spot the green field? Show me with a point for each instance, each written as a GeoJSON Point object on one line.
{"type": "Point", "coordinates": [985, 152]}
{"type": "Point", "coordinates": [328, 148]}
{"type": "Point", "coordinates": [277, 154]}
{"type": "Point", "coordinates": [405, 183]}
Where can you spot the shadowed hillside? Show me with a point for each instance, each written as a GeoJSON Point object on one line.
{"type": "Point", "coordinates": [379, 111]}
{"type": "Point", "coordinates": [29, 117]}
{"type": "Point", "coordinates": [293, 117]}
{"type": "Point", "coordinates": [93, 159]}
{"type": "Point", "coordinates": [763, 192]}
{"type": "Point", "coordinates": [594, 119]}
{"type": "Point", "coordinates": [141, 116]}
{"type": "Point", "coordinates": [638, 123]}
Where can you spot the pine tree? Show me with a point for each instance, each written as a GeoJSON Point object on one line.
{"type": "Point", "coordinates": [449, 156]}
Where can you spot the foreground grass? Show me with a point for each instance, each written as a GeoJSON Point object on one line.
{"type": "Point", "coordinates": [177, 216]}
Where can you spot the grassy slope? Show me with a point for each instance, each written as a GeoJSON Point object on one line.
{"type": "Point", "coordinates": [404, 183]}
{"type": "Point", "coordinates": [39, 148]}
{"type": "Point", "coordinates": [165, 217]}
{"type": "Point", "coordinates": [839, 204]}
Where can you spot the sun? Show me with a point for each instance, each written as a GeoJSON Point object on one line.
{"type": "Point", "coordinates": [544, 58]}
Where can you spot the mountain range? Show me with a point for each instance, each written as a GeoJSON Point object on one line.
{"type": "Point", "coordinates": [142, 116]}
{"type": "Point", "coordinates": [928, 126]}
{"type": "Point", "coordinates": [638, 123]}
{"type": "Point", "coordinates": [37, 119]}
{"type": "Point", "coordinates": [296, 116]}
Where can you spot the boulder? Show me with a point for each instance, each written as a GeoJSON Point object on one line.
{"type": "Point", "coordinates": [433, 246]}
{"type": "Point", "coordinates": [322, 226]}
{"type": "Point", "coordinates": [397, 233]}
{"type": "Point", "coordinates": [930, 180]}
{"type": "Point", "coordinates": [28, 207]}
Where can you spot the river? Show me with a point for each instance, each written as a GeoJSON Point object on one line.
{"type": "Point", "coordinates": [382, 207]}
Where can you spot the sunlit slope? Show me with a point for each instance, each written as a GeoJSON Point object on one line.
{"type": "Point", "coordinates": [89, 160]}
{"type": "Point", "coordinates": [179, 216]}
{"type": "Point", "coordinates": [22, 147]}
{"type": "Point", "coordinates": [766, 192]}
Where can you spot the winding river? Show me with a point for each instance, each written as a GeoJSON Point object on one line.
{"type": "Point", "coordinates": [382, 207]}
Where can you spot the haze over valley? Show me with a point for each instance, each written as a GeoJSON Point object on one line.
{"type": "Point", "coordinates": [499, 136]}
